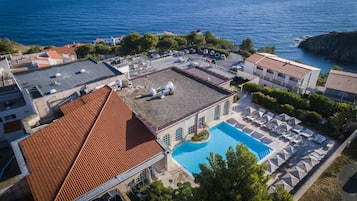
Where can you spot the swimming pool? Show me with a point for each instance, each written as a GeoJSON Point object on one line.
{"type": "Point", "coordinates": [223, 135]}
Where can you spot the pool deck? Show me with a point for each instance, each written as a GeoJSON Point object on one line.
{"type": "Point", "coordinates": [307, 147]}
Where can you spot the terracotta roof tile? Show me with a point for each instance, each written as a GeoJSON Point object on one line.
{"type": "Point", "coordinates": [86, 147]}
{"type": "Point", "coordinates": [287, 67]}
{"type": "Point", "coordinates": [64, 50]}
{"type": "Point", "coordinates": [54, 54]}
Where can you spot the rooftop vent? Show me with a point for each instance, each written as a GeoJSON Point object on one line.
{"type": "Point", "coordinates": [52, 91]}
{"type": "Point", "coordinates": [58, 75]}
{"type": "Point", "coordinates": [82, 70]}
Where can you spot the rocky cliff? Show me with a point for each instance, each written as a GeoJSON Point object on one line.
{"type": "Point", "coordinates": [334, 45]}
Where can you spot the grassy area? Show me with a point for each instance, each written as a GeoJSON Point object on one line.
{"type": "Point", "coordinates": [326, 187]}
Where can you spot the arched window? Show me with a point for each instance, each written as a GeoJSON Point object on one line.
{"type": "Point", "coordinates": [166, 139]}
{"type": "Point", "coordinates": [226, 107]}
{"type": "Point", "coordinates": [217, 112]}
{"type": "Point", "coordinates": [178, 135]}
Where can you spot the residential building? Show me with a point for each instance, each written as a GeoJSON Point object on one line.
{"type": "Point", "coordinates": [108, 41]}
{"type": "Point", "coordinates": [341, 86]}
{"type": "Point", "coordinates": [45, 59]}
{"type": "Point", "coordinates": [175, 104]}
{"type": "Point", "coordinates": [53, 86]}
{"type": "Point", "coordinates": [15, 106]}
{"type": "Point", "coordinates": [67, 53]}
{"type": "Point", "coordinates": [98, 146]}
{"type": "Point", "coordinates": [281, 73]}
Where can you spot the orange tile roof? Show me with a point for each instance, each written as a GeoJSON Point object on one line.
{"type": "Point", "coordinates": [63, 50]}
{"type": "Point", "coordinates": [54, 54]}
{"type": "Point", "coordinates": [342, 81]}
{"type": "Point", "coordinates": [280, 65]}
{"type": "Point", "coordinates": [41, 65]}
{"type": "Point", "coordinates": [86, 147]}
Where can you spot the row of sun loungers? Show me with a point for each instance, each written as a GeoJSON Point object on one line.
{"type": "Point", "coordinates": [291, 178]}
{"type": "Point", "coordinates": [280, 158]}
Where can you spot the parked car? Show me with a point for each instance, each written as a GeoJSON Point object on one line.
{"type": "Point", "coordinates": [205, 51]}
{"type": "Point", "coordinates": [212, 52]}
{"type": "Point", "coordinates": [217, 55]}
{"type": "Point", "coordinates": [223, 56]}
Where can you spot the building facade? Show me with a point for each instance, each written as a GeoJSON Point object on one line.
{"type": "Point", "coordinates": [15, 106]}
{"type": "Point", "coordinates": [276, 72]}
{"type": "Point", "coordinates": [341, 86]}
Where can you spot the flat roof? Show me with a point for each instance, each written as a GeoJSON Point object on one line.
{"type": "Point", "coordinates": [207, 75]}
{"type": "Point", "coordinates": [69, 75]}
{"type": "Point", "coordinates": [275, 63]}
{"type": "Point", "coordinates": [342, 81]}
{"type": "Point", "coordinates": [191, 95]}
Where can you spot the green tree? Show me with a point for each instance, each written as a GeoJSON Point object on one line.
{"type": "Point", "coordinates": [102, 49]}
{"type": "Point", "coordinates": [85, 50]}
{"type": "Point", "coordinates": [199, 40]}
{"type": "Point", "coordinates": [247, 45]}
{"type": "Point", "coordinates": [34, 49]}
{"type": "Point", "coordinates": [184, 192]}
{"type": "Point", "coordinates": [5, 48]}
{"type": "Point", "coordinates": [167, 43]}
{"type": "Point", "coordinates": [148, 42]}
{"type": "Point", "coordinates": [238, 177]}
{"type": "Point", "coordinates": [251, 87]}
{"type": "Point", "coordinates": [281, 194]}
{"type": "Point", "coordinates": [156, 191]}
{"type": "Point", "coordinates": [321, 104]}
{"type": "Point", "coordinates": [345, 114]}
{"type": "Point", "coordinates": [181, 41]}
{"type": "Point", "coordinates": [267, 49]}
{"type": "Point", "coordinates": [337, 67]}
{"type": "Point", "coordinates": [130, 44]}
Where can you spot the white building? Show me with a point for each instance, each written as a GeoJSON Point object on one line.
{"type": "Point", "coordinates": [15, 106]}
{"type": "Point", "coordinates": [281, 73]}
{"type": "Point", "coordinates": [108, 41]}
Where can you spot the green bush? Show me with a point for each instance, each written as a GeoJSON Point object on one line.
{"type": "Point", "coordinates": [252, 87]}
{"type": "Point", "coordinates": [287, 109]}
{"type": "Point", "coordinates": [313, 117]}
{"type": "Point", "coordinates": [235, 98]}
{"type": "Point", "coordinates": [201, 135]}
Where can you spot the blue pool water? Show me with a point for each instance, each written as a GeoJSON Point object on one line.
{"type": "Point", "coordinates": [223, 135]}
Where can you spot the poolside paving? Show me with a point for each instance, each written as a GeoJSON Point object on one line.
{"type": "Point", "coordinates": [279, 144]}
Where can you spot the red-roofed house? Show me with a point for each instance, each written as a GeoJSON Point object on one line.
{"type": "Point", "coordinates": [66, 53]}
{"type": "Point", "coordinates": [97, 146]}
{"type": "Point", "coordinates": [277, 72]}
{"type": "Point", "coordinates": [45, 59]}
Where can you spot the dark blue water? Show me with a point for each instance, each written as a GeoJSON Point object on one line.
{"type": "Point", "coordinates": [267, 22]}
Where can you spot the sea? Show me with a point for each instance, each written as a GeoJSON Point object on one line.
{"type": "Point", "coordinates": [267, 22]}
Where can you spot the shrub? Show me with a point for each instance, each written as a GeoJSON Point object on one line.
{"type": "Point", "coordinates": [313, 117]}
{"type": "Point", "coordinates": [235, 98]}
{"type": "Point", "coordinates": [251, 87]}
{"type": "Point", "coordinates": [287, 109]}
{"type": "Point", "coordinates": [201, 135]}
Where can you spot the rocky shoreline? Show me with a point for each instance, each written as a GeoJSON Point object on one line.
{"type": "Point", "coordinates": [339, 46]}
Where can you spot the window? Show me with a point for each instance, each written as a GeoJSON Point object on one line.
{"type": "Point", "coordinates": [259, 68]}
{"type": "Point", "coordinates": [226, 108]}
{"type": "Point", "coordinates": [178, 135]}
{"type": "Point", "coordinates": [166, 139]}
{"type": "Point", "coordinates": [217, 112]}
{"type": "Point", "coordinates": [191, 130]}
{"type": "Point", "coordinates": [12, 126]}
{"type": "Point", "coordinates": [293, 79]}
{"type": "Point", "coordinates": [9, 117]}
{"type": "Point", "coordinates": [270, 71]}
{"type": "Point", "coordinates": [201, 121]}
{"type": "Point", "coordinates": [281, 75]}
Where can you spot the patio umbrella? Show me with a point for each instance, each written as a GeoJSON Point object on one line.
{"type": "Point", "coordinates": [298, 173]}
{"type": "Point", "coordinates": [284, 154]}
{"type": "Point", "coordinates": [277, 160]}
{"type": "Point", "coordinates": [290, 149]}
{"type": "Point", "coordinates": [310, 160]}
{"type": "Point", "coordinates": [304, 166]}
{"type": "Point", "coordinates": [290, 179]}
{"type": "Point", "coordinates": [271, 166]}
{"type": "Point", "coordinates": [286, 186]}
